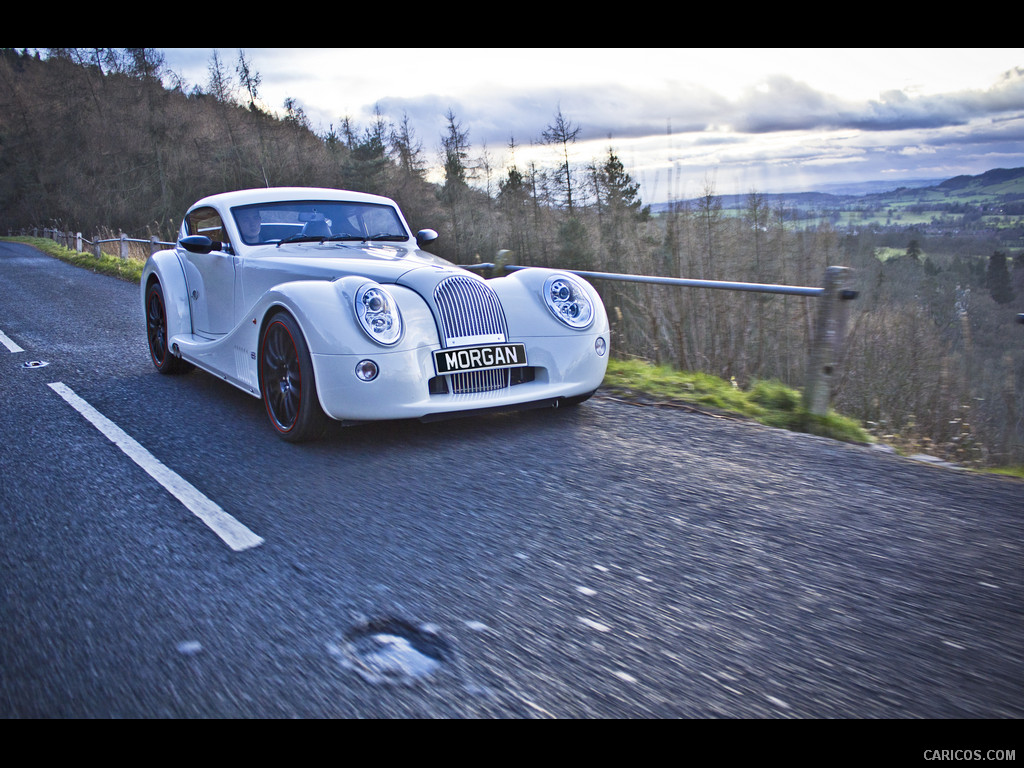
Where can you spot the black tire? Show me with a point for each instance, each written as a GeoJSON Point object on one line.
{"type": "Point", "coordinates": [287, 385]}
{"type": "Point", "coordinates": [156, 333]}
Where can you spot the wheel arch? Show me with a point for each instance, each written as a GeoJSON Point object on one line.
{"type": "Point", "coordinates": [280, 305]}
{"type": "Point", "coordinates": [164, 268]}
{"type": "Point", "coordinates": [311, 420]}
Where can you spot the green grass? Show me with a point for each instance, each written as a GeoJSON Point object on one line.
{"type": "Point", "coordinates": [768, 402]}
{"type": "Point", "coordinates": [1009, 471]}
{"type": "Point", "coordinates": [125, 269]}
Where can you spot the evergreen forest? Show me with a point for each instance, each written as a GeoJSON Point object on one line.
{"type": "Point", "coordinates": [103, 140]}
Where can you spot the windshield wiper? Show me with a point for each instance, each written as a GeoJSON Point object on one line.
{"type": "Point", "coordinates": [361, 239]}
{"type": "Point", "coordinates": [301, 239]}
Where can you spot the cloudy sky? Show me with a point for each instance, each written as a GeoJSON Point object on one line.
{"type": "Point", "coordinates": [770, 120]}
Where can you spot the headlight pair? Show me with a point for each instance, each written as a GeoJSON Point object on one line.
{"type": "Point", "coordinates": [381, 319]}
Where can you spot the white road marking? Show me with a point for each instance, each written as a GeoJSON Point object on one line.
{"type": "Point", "coordinates": [234, 534]}
{"type": "Point", "coordinates": [11, 346]}
{"type": "Point", "coordinates": [594, 624]}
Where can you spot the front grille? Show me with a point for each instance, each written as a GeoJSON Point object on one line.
{"type": "Point", "coordinates": [479, 381]}
{"type": "Point", "coordinates": [463, 383]}
{"type": "Point", "coordinates": [469, 311]}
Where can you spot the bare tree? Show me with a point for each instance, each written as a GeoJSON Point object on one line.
{"type": "Point", "coordinates": [250, 80]}
{"type": "Point", "coordinates": [219, 83]}
{"type": "Point", "coordinates": [563, 132]}
{"type": "Point", "coordinates": [407, 149]}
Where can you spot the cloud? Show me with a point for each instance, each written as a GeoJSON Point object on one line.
{"type": "Point", "coordinates": [776, 103]}
{"type": "Point", "coordinates": [670, 108]}
{"type": "Point", "coordinates": [784, 104]}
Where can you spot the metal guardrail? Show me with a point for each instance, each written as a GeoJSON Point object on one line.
{"type": "Point", "coordinates": [75, 241]}
{"type": "Point", "coordinates": [829, 329]}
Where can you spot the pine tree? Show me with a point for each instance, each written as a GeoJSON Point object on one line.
{"type": "Point", "coordinates": [620, 191]}
{"type": "Point", "coordinates": [619, 205]}
{"type": "Point", "coordinates": [997, 278]}
{"type": "Point", "coordinates": [454, 191]}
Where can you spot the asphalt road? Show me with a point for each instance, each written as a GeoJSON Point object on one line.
{"type": "Point", "coordinates": [607, 561]}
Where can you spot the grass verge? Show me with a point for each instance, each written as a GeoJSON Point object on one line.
{"type": "Point", "coordinates": [768, 402]}
{"type": "Point", "coordinates": [1017, 472]}
{"type": "Point", "coordinates": [125, 269]}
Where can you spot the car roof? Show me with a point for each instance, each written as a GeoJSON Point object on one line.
{"type": "Point", "coordinates": [280, 194]}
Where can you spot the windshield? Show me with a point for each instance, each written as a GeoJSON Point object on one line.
{"type": "Point", "coordinates": [317, 220]}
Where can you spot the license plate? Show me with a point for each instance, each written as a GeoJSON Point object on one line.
{"type": "Point", "coordinates": [479, 358]}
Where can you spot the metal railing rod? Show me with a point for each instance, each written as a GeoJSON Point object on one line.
{"type": "Point", "coordinates": [792, 290]}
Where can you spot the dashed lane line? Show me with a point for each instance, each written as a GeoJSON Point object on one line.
{"type": "Point", "coordinates": [7, 342]}
{"type": "Point", "coordinates": [232, 532]}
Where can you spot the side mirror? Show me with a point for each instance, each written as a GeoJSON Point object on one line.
{"type": "Point", "coordinates": [425, 236]}
{"type": "Point", "coordinates": [198, 244]}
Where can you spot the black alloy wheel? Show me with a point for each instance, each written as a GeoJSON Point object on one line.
{"type": "Point", "coordinates": [286, 382]}
{"type": "Point", "coordinates": [156, 333]}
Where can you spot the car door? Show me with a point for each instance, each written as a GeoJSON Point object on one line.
{"type": "Point", "coordinates": [210, 276]}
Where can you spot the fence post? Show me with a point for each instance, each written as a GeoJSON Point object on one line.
{"type": "Point", "coordinates": [829, 334]}
{"type": "Point", "coordinates": [78, 242]}
{"type": "Point", "coordinates": [124, 246]}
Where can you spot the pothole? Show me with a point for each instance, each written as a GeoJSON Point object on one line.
{"type": "Point", "coordinates": [392, 651]}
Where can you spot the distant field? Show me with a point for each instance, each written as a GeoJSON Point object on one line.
{"type": "Point", "coordinates": [992, 203]}
{"type": "Point", "coordinates": [884, 254]}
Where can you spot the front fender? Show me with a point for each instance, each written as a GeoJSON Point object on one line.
{"type": "Point", "coordinates": [165, 267]}
{"type": "Point", "coordinates": [521, 293]}
{"type": "Point", "coordinates": [325, 312]}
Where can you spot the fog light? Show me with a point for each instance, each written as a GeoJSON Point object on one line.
{"type": "Point", "coordinates": [366, 370]}
{"type": "Point", "coordinates": [600, 346]}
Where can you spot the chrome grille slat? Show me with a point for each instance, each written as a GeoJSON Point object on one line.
{"type": "Point", "coordinates": [479, 381]}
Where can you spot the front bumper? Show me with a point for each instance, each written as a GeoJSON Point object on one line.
{"type": "Point", "coordinates": [563, 366]}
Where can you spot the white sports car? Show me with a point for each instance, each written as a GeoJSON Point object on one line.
{"type": "Point", "coordinates": [322, 303]}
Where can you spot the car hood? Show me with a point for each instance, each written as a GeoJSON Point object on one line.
{"type": "Point", "coordinates": [329, 261]}
{"type": "Point", "coordinates": [410, 267]}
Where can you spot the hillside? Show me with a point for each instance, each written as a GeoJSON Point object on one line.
{"type": "Point", "coordinates": [989, 205]}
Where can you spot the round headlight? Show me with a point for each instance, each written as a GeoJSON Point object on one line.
{"type": "Point", "coordinates": [569, 301]}
{"type": "Point", "coordinates": [378, 314]}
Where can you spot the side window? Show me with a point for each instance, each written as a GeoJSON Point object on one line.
{"type": "Point", "coordinates": [206, 221]}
